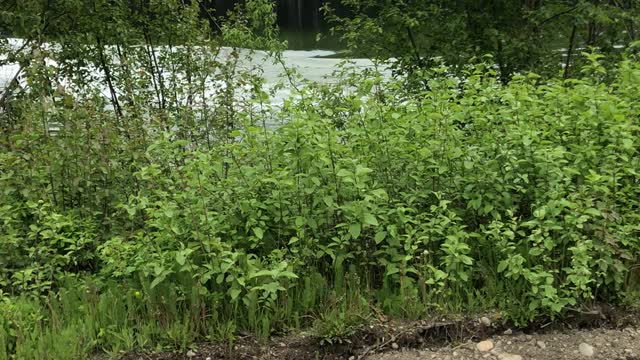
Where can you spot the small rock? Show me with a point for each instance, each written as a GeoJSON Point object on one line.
{"type": "Point", "coordinates": [455, 353]}
{"type": "Point", "coordinates": [485, 321]}
{"type": "Point", "coordinates": [528, 337]}
{"type": "Point", "coordinates": [506, 356]}
{"type": "Point", "coordinates": [191, 353]}
{"type": "Point", "coordinates": [508, 342]}
{"type": "Point", "coordinates": [484, 346]}
{"type": "Point", "coordinates": [585, 349]}
{"type": "Point", "coordinates": [541, 344]}
{"type": "Point", "coordinates": [395, 346]}
{"type": "Point", "coordinates": [208, 358]}
{"type": "Point", "coordinates": [628, 351]}
{"type": "Point", "coordinates": [352, 358]}
{"type": "Point", "coordinates": [508, 332]}
{"type": "Point", "coordinates": [282, 344]}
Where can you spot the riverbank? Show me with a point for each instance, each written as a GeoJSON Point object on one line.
{"type": "Point", "coordinates": [594, 335]}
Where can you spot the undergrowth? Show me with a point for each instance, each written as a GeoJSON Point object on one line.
{"type": "Point", "coordinates": [162, 221]}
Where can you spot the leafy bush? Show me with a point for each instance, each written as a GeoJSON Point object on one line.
{"type": "Point", "coordinates": [173, 220]}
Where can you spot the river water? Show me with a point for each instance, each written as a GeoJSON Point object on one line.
{"type": "Point", "coordinates": [315, 65]}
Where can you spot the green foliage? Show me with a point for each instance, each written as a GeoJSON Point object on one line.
{"type": "Point", "coordinates": [520, 35]}
{"type": "Point", "coordinates": [161, 215]}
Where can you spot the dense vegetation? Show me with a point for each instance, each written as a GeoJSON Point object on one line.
{"type": "Point", "coordinates": [148, 201]}
{"type": "Point", "coordinates": [521, 35]}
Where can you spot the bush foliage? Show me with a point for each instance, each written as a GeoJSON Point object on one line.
{"type": "Point", "coordinates": [164, 214]}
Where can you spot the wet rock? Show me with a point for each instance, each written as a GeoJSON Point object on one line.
{"type": "Point", "coordinates": [485, 346]}
{"type": "Point", "coordinates": [585, 350]}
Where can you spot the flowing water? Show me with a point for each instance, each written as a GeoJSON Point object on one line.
{"type": "Point", "coordinates": [309, 59]}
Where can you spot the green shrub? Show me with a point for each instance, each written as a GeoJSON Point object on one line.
{"type": "Point", "coordinates": [170, 224]}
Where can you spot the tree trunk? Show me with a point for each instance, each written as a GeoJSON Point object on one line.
{"type": "Point", "coordinates": [570, 52]}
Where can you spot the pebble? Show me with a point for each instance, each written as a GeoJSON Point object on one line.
{"type": "Point", "coordinates": [529, 337]}
{"type": "Point", "coordinates": [191, 354]}
{"type": "Point", "coordinates": [541, 344]}
{"type": "Point", "coordinates": [485, 321]}
{"type": "Point", "coordinates": [208, 358]}
{"type": "Point", "coordinates": [508, 332]}
{"type": "Point", "coordinates": [484, 346]}
{"type": "Point", "coordinates": [585, 349]}
{"type": "Point", "coordinates": [395, 346]}
{"type": "Point", "coordinates": [506, 356]}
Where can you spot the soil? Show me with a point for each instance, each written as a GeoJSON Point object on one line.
{"type": "Point", "coordinates": [592, 335]}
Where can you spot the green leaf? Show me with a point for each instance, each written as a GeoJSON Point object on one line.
{"type": "Point", "coordinates": [380, 235]}
{"type": "Point", "coordinates": [392, 269]}
{"type": "Point", "coordinates": [157, 280]}
{"type": "Point", "coordinates": [344, 173]}
{"type": "Point", "coordinates": [262, 273]}
{"type": "Point", "coordinates": [536, 251]}
{"type": "Point", "coordinates": [354, 230]}
{"type": "Point", "coordinates": [258, 232]}
{"type": "Point", "coordinates": [502, 265]}
{"type": "Point", "coordinates": [288, 275]}
{"type": "Point", "coordinates": [328, 200]}
{"type": "Point", "coordinates": [181, 258]}
{"type": "Point", "coordinates": [234, 293]}
{"type": "Point", "coordinates": [370, 219]}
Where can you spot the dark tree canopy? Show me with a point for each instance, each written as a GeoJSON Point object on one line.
{"type": "Point", "coordinates": [520, 35]}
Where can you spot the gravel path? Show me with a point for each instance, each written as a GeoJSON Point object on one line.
{"type": "Point", "coordinates": [568, 344]}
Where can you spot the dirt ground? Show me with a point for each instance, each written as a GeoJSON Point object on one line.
{"type": "Point", "coordinates": [609, 338]}
{"type": "Point", "coordinates": [606, 344]}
